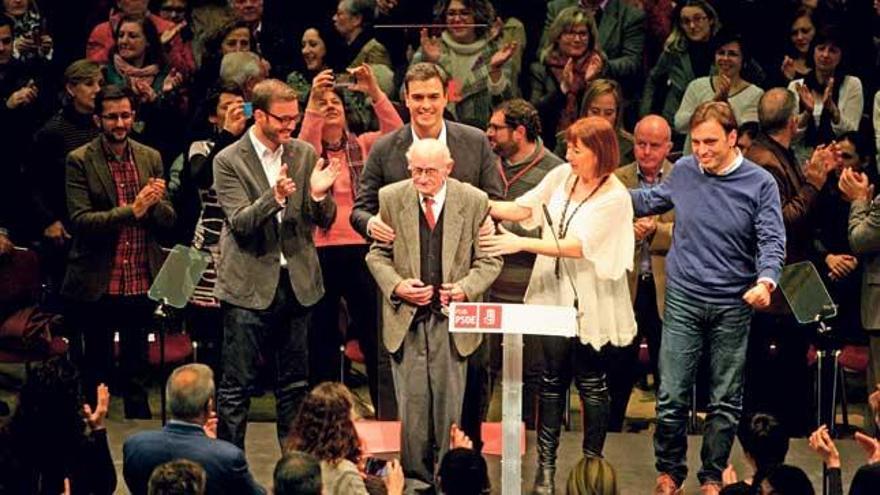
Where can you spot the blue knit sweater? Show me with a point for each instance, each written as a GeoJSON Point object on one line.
{"type": "Point", "coordinates": [728, 229]}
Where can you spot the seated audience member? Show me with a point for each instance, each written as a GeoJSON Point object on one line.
{"type": "Point", "coordinates": [603, 98]}
{"type": "Point", "coordinates": [191, 435]}
{"type": "Point", "coordinates": [354, 23]}
{"type": "Point", "coordinates": [476, 63]}
{"type": "Point", "coordinates": [180, 477]}
{"type": "Point", "coordinates": [786, 480]}
{"type": "Point", "coordinates": [32, 39]}
{"type": "Point", "coordinates": [568, 61]}
{"type": "Point", "coordinates": [243, 69]}
{"type": "Point", "coordinates": [592, 476]}
{"type": "Point", "coordinates": [54, 436]}
{"type": "Point", "coordinates": [727, 84]}
{"type": "Point", "coordinates": [324, 428]}
{"type": "Point", "coordinates": [341, 249]}
{"type": "Point", "coordinates": [463, 471]}
{"type": "Point", "coordinates": [71, 127]}
{"type": "Point", "coordinates": [103, 37]}
{"type": "Point", "coordinates": [765, 445]}
{"type": "Point", "coordinates": [297, 473]}
{"type": "Point", "coordinates": [830, 100]}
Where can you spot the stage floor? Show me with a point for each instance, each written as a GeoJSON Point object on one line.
{"type": "Point", "coordinates": [631, 454]}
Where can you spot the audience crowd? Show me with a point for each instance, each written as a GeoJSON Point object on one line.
{"type": "Point", "coordinates": [265, 133]}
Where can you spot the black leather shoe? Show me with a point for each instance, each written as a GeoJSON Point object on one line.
{"type": "Point", "coordinates": [544, 481]}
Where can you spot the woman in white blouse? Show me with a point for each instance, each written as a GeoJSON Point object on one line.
{"type": "Point", "coordinates": [727, 84]}
{"type": "Point", "coordinates": [829, 100]}
{"type": "Point", "coordinates": [592, 216]}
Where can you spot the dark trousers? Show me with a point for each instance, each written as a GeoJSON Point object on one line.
{"type": "Point", "coordinates": [649, 322]}
{"type": "Point", "coordinates": [252, 337]}
{"type": "Point", "coordinates": [96, 323]}
{"type": "Point", "coordinates": [345, 277]}
{"type": "Point", "coordinates": [778, 379]}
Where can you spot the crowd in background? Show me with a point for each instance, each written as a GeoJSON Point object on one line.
{"type": "Point", "coordinates": [521, 72]}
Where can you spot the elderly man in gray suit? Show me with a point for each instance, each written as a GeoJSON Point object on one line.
{"type": "Point", "coordinates": [273, 190]}
{"type": "Point", "coordinates": [434, 260]}
{"type": "Point", "coordinates": [864, 239]}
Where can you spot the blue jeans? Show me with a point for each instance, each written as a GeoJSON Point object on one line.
{"type": "Point", "coordinates": [691, 328]}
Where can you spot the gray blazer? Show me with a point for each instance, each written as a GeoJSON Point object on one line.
{"type": "Point", "coordinates": [252, 237]}
{"type": "Point", "coordinates": [463, 262]}
{"type": "Point", "coordinates": [864, 238]}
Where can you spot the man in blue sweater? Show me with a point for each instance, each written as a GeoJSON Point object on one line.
{"type": "Point", "coordinates": [727, 251]}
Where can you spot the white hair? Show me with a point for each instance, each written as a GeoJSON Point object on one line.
{"type": "Point", "coordinates": [431, 149]}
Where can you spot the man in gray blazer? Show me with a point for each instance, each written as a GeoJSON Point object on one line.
{"type": "Point", "coordinates": [274, 191]}
{"type": "Point", "coordinates": [864, 239]}
{"type": "Point", "coordinates": [434, 260]}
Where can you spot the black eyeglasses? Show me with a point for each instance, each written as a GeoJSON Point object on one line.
{"type": "Point", "coordinates": [496, 127]}
{"type": "Point", "coordinates": [285, 120]}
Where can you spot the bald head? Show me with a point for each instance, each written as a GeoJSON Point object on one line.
{"type": "Point", "coordinates": [653, 141]}
{"type": "Point", "coordinates": [189, 389]}
{"type": "Point", "coordinates": [776, 109]}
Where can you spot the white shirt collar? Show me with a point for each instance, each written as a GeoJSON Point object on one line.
{"type": "Point", "coordinates": [439, 199]}
{"type": "Point", "coordinates": [730, 168]}
{"type": "Point", "coordinates": [441, 137]}
{"type": "Point", "coordinates": [263, 153]}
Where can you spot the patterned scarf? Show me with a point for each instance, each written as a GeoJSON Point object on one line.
{"type": "Point", "coordinates": [556, 63]}
{"type": "Point", "coordinates": [355, 156]}
{"type": "Point", "coordinates": [131, 73]}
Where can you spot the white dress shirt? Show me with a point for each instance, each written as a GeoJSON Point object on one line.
{"type": "Point", "coordinates": [271, 163]}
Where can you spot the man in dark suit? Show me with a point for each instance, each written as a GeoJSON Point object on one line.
{"type": "Point", "coordinates": [425, 95]}
{"type": "Point", "coordinates": [779, 382]}
{"type": "Point", "coordinates": [273, 190]}
{"type": "Point", "coordinates": [117, 206]}
{"type": "Point", "coordinates": [433, 261]}
{"type": "Point", "coordinates": [191, 435]}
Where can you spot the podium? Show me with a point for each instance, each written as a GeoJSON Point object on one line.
{"type": "Point", "coordinates": [512, 321]}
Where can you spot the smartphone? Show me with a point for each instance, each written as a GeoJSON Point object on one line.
{"type": "Point", "coordinates": [344, 80]}
{"type": "Point", "coordinates": [376, 466]}
{"type": "Point", "coordinates": [248, 109]}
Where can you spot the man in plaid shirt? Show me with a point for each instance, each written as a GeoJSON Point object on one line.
{"type": "Point", "coordinates": [116, 200]}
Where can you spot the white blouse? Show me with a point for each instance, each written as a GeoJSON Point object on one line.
{"type": "Point", "coordinates": [850, 102]}
{"type": "Point", "coordinates": [604, 227]}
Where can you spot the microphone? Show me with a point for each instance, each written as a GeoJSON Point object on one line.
{"type": "Point", "coordinates": [577, 305]}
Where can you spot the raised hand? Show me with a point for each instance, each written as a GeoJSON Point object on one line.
{"type": "Point", "coordinates": [95, 418]}
{"type": "Point", "coordinates": [324, 175]}
{"type": "Point", "coordinates": [149, 195]}
{"type": "Point", "coordinates": [722, 91]}
{"type": "Point", "coordinates": [365, 81]}
{"type": "Point", "coordinates": [23, 96]}
{"type": "Point", "coordinates": [234, 122]}
{"type": "Point", "coordinates": [568, 82]}
{"type": "Point", "coordinates": [788, 68]}
{"type": "Point", "coordinates": [855, 185]}
{"type": "Point", "coordinates": [284, 186]}
{"type": "Point", "coordinates": [210, 426]}
{"type": "Point", "coordinates": [806, 96]}
{"type": "Point", "coordinates": [594, 68]}
{"type": "Point", "coordinates": [172, 81]}
{"type": "Point", "coordinates": [822, 444]}
{"type": "Point", "coordinates": [169, 34]}
{"type": "Point", "coordinates": [500, 57]}
{"type": "Point", "coordinates": [432, 46]}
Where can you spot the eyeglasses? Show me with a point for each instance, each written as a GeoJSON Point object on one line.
{"type": "Point", "coordinates": [284, 120]}
{"type": "Point", "coordinates": [576, 34]}
{"type": "Point", "coordinates": [496, 127]}
{"type": "Point", "coordinates": [459, 13]}
{"type": "Point", "coordinates": [695, 20]}
{"type": "Point", "coordinates": [427, 172]}
{"type": "Point", "coordinates": [113, 117]}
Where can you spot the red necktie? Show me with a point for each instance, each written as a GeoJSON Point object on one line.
{"type": "Point", "coordinates": [429, 211]}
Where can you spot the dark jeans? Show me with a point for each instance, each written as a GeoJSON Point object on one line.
{"type": "Point", "coordinates": [96, 323]}
{"type": "Point", "coordinates": [566, 359]}
{"type": "Point", "coordinates": [251, 337]}
{"type": "Point", "coordinates": [691, 328]}
{"type": "Point", "coordinates": [345, 277]}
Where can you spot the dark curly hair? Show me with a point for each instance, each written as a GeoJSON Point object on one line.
{"type": "Point", "coordinates": [324, 427]}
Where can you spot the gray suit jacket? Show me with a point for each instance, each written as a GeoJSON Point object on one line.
{"type": "Point", "coordinates": [463, 262]}
{"type": "Point", "coordinates": [864, 238]}
{"type": "Point", "coordinates": [96, 217]}
{"type": "Point", "coordinates": [252, 237]}
{"type": "Point", "coordinates": [475, 164]}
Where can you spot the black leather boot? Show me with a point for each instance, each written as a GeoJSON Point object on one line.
{"type": "Point", "coordinates": [596, 408]}
{"type": "Point", "coordinates": [550, 408]}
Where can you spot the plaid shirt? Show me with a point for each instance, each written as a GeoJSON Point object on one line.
{"type": "Point", "coordinates": [130, 274]}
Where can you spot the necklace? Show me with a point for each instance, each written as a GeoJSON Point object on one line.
{"type": "Point", "coordinates": [563, 223]}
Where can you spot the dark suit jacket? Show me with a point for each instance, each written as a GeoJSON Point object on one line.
{"type": "Point", "coordinates": [621, 35]}
{"type": "Point", "coordinates": [463, 262]}
{"type": "Point", "coordinates": [224, 463]}
{"type": "Point", "coordinates": [96, 219]}
{"type": "Point", "coordinates": [252, 237]}
{"type": "Point", "coordinates": [864, 237]}
{"type": "Point", "coordinates": [474, 164]}
{"type": "Point", "coordinates": [795, 193]}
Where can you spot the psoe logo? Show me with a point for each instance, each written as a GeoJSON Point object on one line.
{"type": "Point", "coordinates": [490, 316]}
{"type": "Point", "coordinates": [465, 316]}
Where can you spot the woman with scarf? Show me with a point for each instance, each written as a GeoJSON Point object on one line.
{"type": "Point", "coordinates": [137, 61]}
{"type": "Point", "coordinates": [477, 64]}
{"type": "Point", "coordinates": [32, 41]}
{"type": "Point", "coordinates": [341, 249]}
{"type": "Point", "coordinates": [566, 66]}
